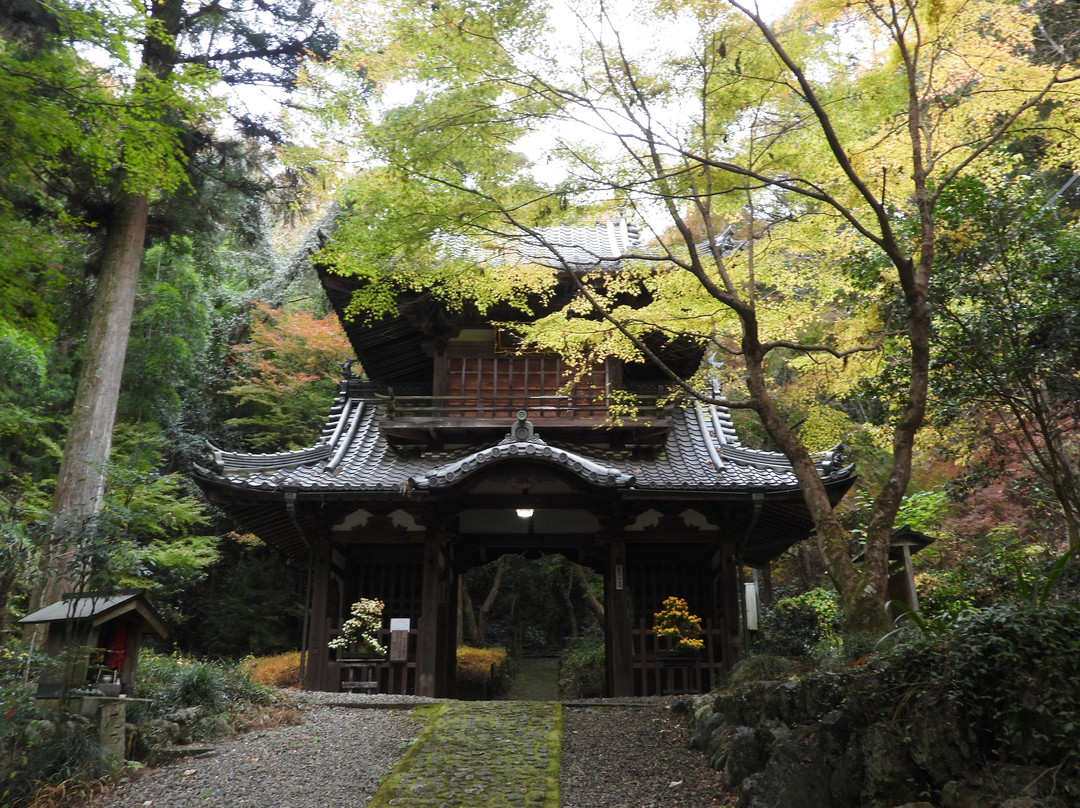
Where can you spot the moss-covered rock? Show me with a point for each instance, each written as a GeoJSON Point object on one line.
{"type": "Point", "coordinates": [985, 713]}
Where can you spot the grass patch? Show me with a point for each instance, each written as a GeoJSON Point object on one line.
{"type": "Point", "coordinates": [554, 761]}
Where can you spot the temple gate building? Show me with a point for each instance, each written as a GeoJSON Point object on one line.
{"type": "Point", "coordinates": [456, 447]}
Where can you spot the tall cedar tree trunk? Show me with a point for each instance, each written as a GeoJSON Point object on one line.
{"type": "Point", "coordinates": [80, 486]}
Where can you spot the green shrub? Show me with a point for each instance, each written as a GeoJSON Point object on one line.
{"type": "Point", "coordinates": [800, 625]}
{"type": "Point", "coordinates": [172, 682]}
{"type": "Point", "coordinates": [761, 668]}
{"type": "Point", "coordinates": [582, 664]}
{"type": "Point", "coordinates": [196, 685]}
{"type": "Point", "coordinates": [1011, 670]}
{"type": "Point", "coordinates": [482, 673]}
{"type": "Point", "coordinates": [1002, 565]}
{"type": "Point", "coordinates": [45, 748]}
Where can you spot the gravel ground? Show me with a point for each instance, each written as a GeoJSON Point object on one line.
{"type": "Point", "coordinates": [335, 757]}
{"type": "Point", "coordinates": [612, 757]}
{"type": "Point", "coordinates": [633, 757]}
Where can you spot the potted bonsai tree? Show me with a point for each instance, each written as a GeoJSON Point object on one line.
{"type": "Point", "coordinates": [679, 630]}
{"type": "Point", "coordinates": [359, 634]}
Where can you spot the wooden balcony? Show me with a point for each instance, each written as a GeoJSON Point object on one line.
{"type": "Point", "coordinates": [440, 420]}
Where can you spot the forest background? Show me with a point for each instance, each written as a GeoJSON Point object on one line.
{"type": "Point", "coordinates": [117, 117]}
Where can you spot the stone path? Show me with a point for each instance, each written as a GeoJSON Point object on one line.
{"type": "Point", "coordinates": [480, 755]}
{"type": "Point", "coordinates": [415, 753]}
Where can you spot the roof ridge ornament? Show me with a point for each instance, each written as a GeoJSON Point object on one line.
{"type": "Point", "coordinates": [522, 431]}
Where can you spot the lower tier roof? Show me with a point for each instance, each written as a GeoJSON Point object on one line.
{"type": "Point", "coordinates": [701, 464]}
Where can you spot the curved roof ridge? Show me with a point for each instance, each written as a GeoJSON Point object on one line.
{"type": "Point", "coordinates": [223, 461]}
{"type": "Point", "coordinates": [722, 443]}
{"type": "Point", "coordinates": [352, 415]}
{"type": "Point", "coordinates": [522, 442]}
{"type": "Point", "coordinates": [724, 425]}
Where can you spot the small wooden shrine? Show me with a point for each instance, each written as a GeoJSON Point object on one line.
{"type": "Point", "coordinates": [456, 447]}
{"type": "Point", "coordinates": [95, 640]}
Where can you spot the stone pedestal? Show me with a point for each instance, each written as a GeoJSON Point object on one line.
{"type": "Point", "coordinates": [111, 720]}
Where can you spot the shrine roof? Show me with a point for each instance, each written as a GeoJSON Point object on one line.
{"type": "Point", "coordinates": [97, 609]}
{"type": "Point", "coordinates": [701, 454]}
{"type": "Point", "coordinates": [580, 247]}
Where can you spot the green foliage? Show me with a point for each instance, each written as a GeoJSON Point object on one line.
{"type": "Point", "coordinates": [534, 603]}
{"type": "Point", "coordinates": [582, 664]}
{"type": "Point", "coordinates": [28, 432]}
{"type": "Point", "coordinates": [1010, 670]}
{"type": "Point", "coordinates": [168, 346]}
{"type": "Point", "coordinates": [174, 681]}
{"type": "Point", "coordinates": [249, 602]}
{"type": "Point", "coordinates": [146, 535]}
{"type": "Point", "coordinates": [802, 624]}
{"type": "Point", "coordinates": [1007, 331]}
{"type": "Point", "coordinates": [922, 511]}
{"type": "Point", "coordinates": [47, 751]}
{"type": "Point", "coordinates": [761, 668]}
{"type": "Point", "coordinates": [1037, 589]}
{"type": "Point", "coordinates": [39, 747]}
{"type": "Point", "coordinates": [194, 685]}
{"type": "Point", "coordinates": [22, 364]}
{"type": "Point", "coordinates": [1004, 565]}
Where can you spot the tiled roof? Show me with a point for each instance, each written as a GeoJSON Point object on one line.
{"type": "Point", "coordinates": [598, 246]}
{"type": "Point", "coordinates": [581, 246]}
{"type": "Point", "coordinates": [701, 454]}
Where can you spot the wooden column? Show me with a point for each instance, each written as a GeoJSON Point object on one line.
{"type": "Point", "coordinates": [449, 610]}
{"type": "Point", "coordinates": [730, 587]}
{"type": "Point", "coordinates": [620, 648]}
{"type": "Point", "coordinates": [433, 624]}
{"type": "Point", "coordinates": [317, 673]}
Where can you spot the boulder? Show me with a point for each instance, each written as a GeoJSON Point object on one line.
{"type": "Point", "coordinates": [796, 774]}
{"type": "Point", "coordinates": [889, 775]}
{"type": "Point", "coordinates": [747, 750]}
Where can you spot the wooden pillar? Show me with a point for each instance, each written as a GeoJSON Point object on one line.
{"type": "Point", "coordinates": [317, 673]}
{"type": "Point", "coordinates": [730, 595]}
{"type": "Point", "coordinates": [618, 640]}
{"type": "Point", "coordinates": [434, 624]}
{"type": "Point", "coordinates": [449, 610]}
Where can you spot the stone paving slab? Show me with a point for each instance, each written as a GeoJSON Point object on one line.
{"type": "Point", "coordinates": [480, 755]}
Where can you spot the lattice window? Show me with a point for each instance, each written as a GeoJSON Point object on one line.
{"type": "Point", "coordinates": [498, 386]}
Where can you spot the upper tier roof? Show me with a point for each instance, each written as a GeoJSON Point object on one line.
{"type": "Point", "coordinates": [579, 247]}
{"type": "Point", "coordinates": [397, 349]}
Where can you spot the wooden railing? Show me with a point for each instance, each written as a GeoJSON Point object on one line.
{"type": "Point", "coordinates": [655, 677]}
{"type": "Point", "coordinates": [579, 407]}
{"type": "Point", "coordinates": [397, 678]}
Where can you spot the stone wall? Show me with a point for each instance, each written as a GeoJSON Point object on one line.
{"type": "Point", "coordinates": [854, 738]}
